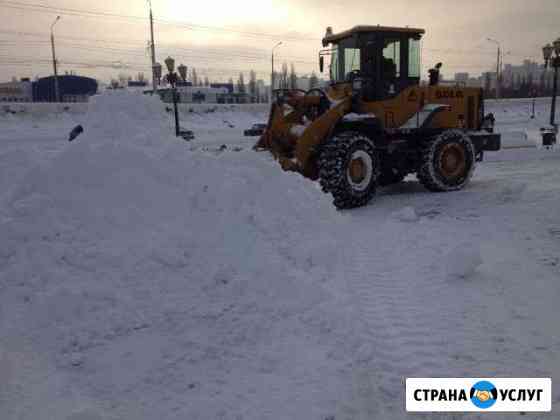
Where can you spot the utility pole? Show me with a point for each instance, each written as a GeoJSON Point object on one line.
{"type": "Point", "coordinates": [498, 66]}
{"type": "Point", "coordinates": [153, 49]}
{"type": "Point", "coordinates": [498, 77]}
{"type": "Point", "coordinates": [272, 73]}
{"type": "Point", "coordinates": [56, 88]}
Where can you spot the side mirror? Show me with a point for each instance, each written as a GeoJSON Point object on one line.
{"type": "Point", "coordinates": [321, 63]}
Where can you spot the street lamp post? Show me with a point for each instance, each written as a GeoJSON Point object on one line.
{"type": "Point", "coordinates": [156, 71]}
{"type": "Point", "coordinates": [551, 54]}
{"type": "Point", "coordinates": [56, 88]}
{"type": "Point", "coordinates": [272, 76]}
{"type": "Point", "coordinates": [172, 79]}
{"type": "Point", "coordinates": [155, 80]}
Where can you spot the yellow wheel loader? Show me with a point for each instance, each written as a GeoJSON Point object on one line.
{"type": "Point", "coordinates": [375, 123]}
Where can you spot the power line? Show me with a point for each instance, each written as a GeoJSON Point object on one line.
{"type": "Point", "coordinates": [100, 14]}
{"type": "Point", "coordinates": [168, 46]}
{"type": "Point", "coordinates": [206, 56]}
{"type": "Point", "coordinates": [34, 7]}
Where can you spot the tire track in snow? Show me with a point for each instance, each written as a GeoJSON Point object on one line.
{"type": "Point", "coordinates": [374, 280]}
{"type": "Point", "coordinates": [396, 287]}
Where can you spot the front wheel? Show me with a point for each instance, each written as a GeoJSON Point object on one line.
{"type": "Point", "coordinates": [447, 162]}
{"type": "Point", "coordinates": [348, 169]}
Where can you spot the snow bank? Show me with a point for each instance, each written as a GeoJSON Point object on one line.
{"type": "Point", "coordinates": [406, 214]}
{"type": "Point", "coordinates": [207, 283]}
{"type": "Point", "coordinates": [42, 110]}
{"type": "Point", "coordinates": [221, 108]}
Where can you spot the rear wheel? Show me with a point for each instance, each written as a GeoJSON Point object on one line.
{"type": "Point", "coordinates": [448, 162]}
{"type": "Point", "coordinates": [348, 169]}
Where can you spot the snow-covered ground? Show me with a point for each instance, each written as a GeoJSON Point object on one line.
{"type": "Point", "coordinates": [144, 277]}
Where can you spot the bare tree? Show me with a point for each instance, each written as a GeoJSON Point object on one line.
{"type": "Point", "coordinates": [194, 77]}
{"type": "Point", "coordinates": [253, 85]}
{"type": "Point", "coordinates": [241, 84]}
{"type": "Point", "coordinates": [284, 77]}
{"type": "Point", "coordinates": [293, 77]}
{"type": "Point", "coordinates": [487, 83]}
{"type": "Point", "coordinates": [313, 81]}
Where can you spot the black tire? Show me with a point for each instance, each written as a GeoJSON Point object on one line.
{"type": "Point", "coordinates": [448, 162]}
{"type": "Point", "coordinates": [348, 169]}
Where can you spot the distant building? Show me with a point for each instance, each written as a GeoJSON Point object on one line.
{"type": "Point", "coordinates": [513, 75]}
{"type": "Point", "coordinates": [228, 86]}
{"type": "Point", "coordinates": [262, 92]}
{"type": "Point", "coordinates": [21, 91]}
{"type": "Point", "coordinates": [215, 93]}
{"type": "Point", "coordinates": [72, 88]}
{"type": "Point", "coordinates": [302, 83]}
{"type": "Point", "coordinates": [137, 83]}
{"type": "Point", "coordinates": [462, 78]}
{"type": "Point", "coordinates": [474, 82]}
{"type": "Point", "coordinates": [488, 80]}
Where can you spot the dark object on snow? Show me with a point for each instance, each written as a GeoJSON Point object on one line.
{"type": "Point", "coordinates": [75, 132]}
{"type": "Point", "coordinates": [255, 130]}
{"type": "Point", "coordinates": [548, 137]}
{"type": "Point", "coordinates": [488, 123]}
{"type": "Point", "coordinates": [434, 74]}
{"type": "Point", "coordinates": [186, 134]}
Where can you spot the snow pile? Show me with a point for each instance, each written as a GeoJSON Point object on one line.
{"type": "Point", "coordinates": [124, 116]}
{"type": "Point", "coordinates": [463, 261]}
{"type": "Point", "coordinates": [118, 238]}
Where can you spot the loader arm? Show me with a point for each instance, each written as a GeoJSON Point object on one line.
{"type": "Point", "coordinates": [319, 130]}
{"type": "Point", "coordinates": [293, 132]}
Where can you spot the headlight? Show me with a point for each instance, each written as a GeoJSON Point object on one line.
{"type": "Point", "coordinates": [357, 84]}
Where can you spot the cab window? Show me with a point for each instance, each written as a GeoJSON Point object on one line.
{"type": "Point", "coordinates": [351, 60]}
{"type": "Point", "coordinates": [391, 66]}
{"type": "Point", "coordinates": [334, 69]}
{"type": "Point", "coordinates": [414, 58]}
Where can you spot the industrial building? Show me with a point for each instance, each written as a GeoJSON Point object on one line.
{"type": "Point", "coordinates": [21, 91]}
{"type": "Point", "coordinates": [221, 93]}
{"type": "Point", "coordinates": [72, 89]}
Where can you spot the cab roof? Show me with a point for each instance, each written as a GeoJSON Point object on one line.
{"type": "Point", "coordinates": [330, 37]}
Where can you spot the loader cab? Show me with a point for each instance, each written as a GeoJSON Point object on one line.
{"type": "Point", "coordinates": [380, 61]}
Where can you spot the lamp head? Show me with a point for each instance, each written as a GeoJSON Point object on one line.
{"type": "Point", "coordinates": [547, 54]}
{"type": "Point", "coordinates": [170, 64]}
{"type": "Point", "coordinates": [182, 69]}
{"type": "Point", "coordinates": [557, 47]}
{"type": "Point", "coordinates": [54, 23]}
{"type": "Point", "coordinates": [157, 71]}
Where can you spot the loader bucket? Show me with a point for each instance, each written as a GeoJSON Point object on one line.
{"type": "Point", "coordinates": [299, 121]}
